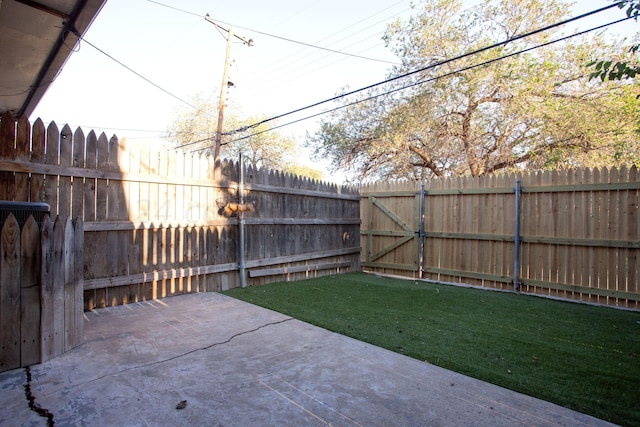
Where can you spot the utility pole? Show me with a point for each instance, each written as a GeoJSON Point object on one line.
{"type": "Point", "coordinates": [225, 83]}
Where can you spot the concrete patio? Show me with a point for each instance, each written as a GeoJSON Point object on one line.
{"type": "Point", "coordinates": [236, 364]}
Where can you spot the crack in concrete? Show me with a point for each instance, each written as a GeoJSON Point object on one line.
{"type": "Point", "coordinates": [32, 400]}
{"type": "Point", "coordinates": [157, 362]}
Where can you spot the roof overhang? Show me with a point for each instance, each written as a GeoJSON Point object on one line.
{"type": "Point", "coordinates": [36, 39]}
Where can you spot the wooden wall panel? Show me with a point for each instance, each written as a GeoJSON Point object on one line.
{"type": "Point", "coordinates": [153, 220]}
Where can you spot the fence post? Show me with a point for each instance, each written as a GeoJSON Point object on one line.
{"type": "Point", "coordinates": [516, 241]}
{"type": "Point", "coordinates": [242, 272]}
{"type": "Point", "coordinates": [421, 233]}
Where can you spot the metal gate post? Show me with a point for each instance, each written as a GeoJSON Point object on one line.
{"type": "Point", "coordinates": [516, 241]}
{"type": "Point", "coordinates": [242, 272]}
{"type": "Point", "coordinates": [421, 233]}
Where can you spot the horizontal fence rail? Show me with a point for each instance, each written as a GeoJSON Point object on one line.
{"type": "Point", "coordinates": [579, 232]}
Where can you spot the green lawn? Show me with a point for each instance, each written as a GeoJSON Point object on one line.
{"type": "Point", "coordinates": [579, 356]}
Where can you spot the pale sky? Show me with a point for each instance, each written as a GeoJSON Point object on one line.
{"type": "Point", "coordinates": [184, 54]}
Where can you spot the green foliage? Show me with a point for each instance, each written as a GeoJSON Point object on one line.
{"type": "Point", "coordinates": [618, 71]}
{"type": "Point", "coordinates": [633, 7]}
{"type": "Point", "coordinates": [607, 69]}
{"type": "Point", "coordinates": [578, 356]}
{"type": "Point", "coordinates": [492, 111]}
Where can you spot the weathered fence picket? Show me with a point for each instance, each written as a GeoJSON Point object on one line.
{"type": "Point", "coordinates": [30, 286]}
{"type": "Point", "coordinates": [10, 295]}
{"type": "Point", "coordinates": [48, 289]}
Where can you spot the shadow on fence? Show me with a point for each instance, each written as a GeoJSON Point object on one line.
{"type": "Point", "coordinates": [161, 222]}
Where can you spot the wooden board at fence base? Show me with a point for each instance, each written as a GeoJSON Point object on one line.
{"type": "Point", "coordinates": [30, 294]}
{"type": "Point", "coordinates": [10, 295]}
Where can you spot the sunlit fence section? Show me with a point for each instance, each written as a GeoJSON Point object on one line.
{"type": "Point", "coordinates": [579, 232]}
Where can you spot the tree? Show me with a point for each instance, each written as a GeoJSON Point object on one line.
{"type": "Point", "coordinates": [529, 110]}
{"type": "Point", "coordinates": [194, 131]}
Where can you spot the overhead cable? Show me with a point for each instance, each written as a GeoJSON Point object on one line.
{"type": "Point", "coordinates": [428, 67]}
{"type": "Point", "coordinates": [135, 72]}
{"type": "Point", "coordinates": [175, 8]}
{"type": "Point", "coordinates": [279, 37]}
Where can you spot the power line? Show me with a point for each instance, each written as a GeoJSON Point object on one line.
{"type": "Point", "coordinates": [175, 8]}
{"type": "Point", "coordinates": [280, 64]}
{"type": "Point", "coordinates": [282, 77]}
{"type": "Point", "coordinates": [282, 71]}
{"type": "Point", "coordinates": [277, 37]}
{"type": "Point", "coordinates": [324, 48]}
{"type": "Point", "coordinates": [135, 72]}
{"type": "Point", "coordinates": [420, 82]}
{"type": "Point", "coordinates": [428, 67]}
{"type": "Point", "coordinates": [298, 12]}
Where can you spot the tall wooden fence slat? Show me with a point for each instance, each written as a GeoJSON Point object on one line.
{"type": "Point", "coordinates": [78, 161]}
{"type": "Point", "coordinates": [7, 151]}
{"type": "Point", "coordinates": [51, 158]}
{"type": "Point", "coordinates": [58, 332]}
{"type": "Point", "coordinates": [10, 295]}
{"type": "Point", "coordinates": [38, 139]}
{"type": "Point", "coordinates": [23, 142]}
{"type": "Point", "coordinates": [64, 181]}
{"type": "Point", "coordinates": [78, 280]}
{"type": "Point", "coordinates": [30, 283]}
{"type": "Point", "coordinates": [68, 267]}
{"type": "Point", "coordinates": [47, 290]}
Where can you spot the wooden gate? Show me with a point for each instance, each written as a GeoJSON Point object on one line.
{"type": "Point", "coordinates": [391, 229]}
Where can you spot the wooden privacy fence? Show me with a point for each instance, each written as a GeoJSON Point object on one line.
{"type": "Point", "coordinates": [159, 222]}
{"type": "Point", "coordinates": [41, 290]}
{"type": "Point", "coordinates": [579, 232]}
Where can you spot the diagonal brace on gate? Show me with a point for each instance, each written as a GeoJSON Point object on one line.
{"type": "Point", "coordinates": [398, 221]}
